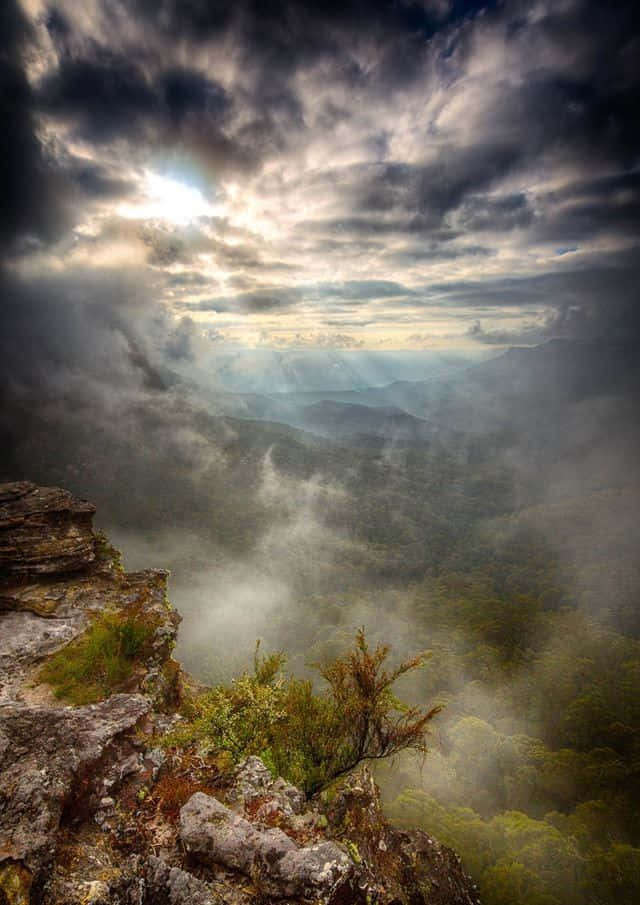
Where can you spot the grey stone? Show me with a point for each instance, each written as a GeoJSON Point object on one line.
{"type": "Point", "coordinates": [289, 795]}
{"type": "Point", "coordinates": [312, 871]}
{"type": "Point", "coordinates": [254, 781]}
{"type": "Point", "coordinates": [210, 829]}
{"type": "Point", "coordinates": [274, 861]}
{"type": "Point", "coordinates": [167, 885]}
{"type": "Point", "coordinates": [48, 750]}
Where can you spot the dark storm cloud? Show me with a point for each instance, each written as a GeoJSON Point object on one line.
{"type": "Point", "coordinates": [286, 34]}
{"type": "Point", "coordinates": [276, 40]}
{"type": "Point", "coordinates": [96, 181]}
{"type": "Point", "coordinates": [350, 291]}
{"type": "Point", "coordinates": [361, 289]}
{"type": "Point", "coordinates": [599, 299]}
{"type": "Point", "coordinates": [185, 92]}
{"type": "Point", "coordinates": [616, 318]}
{"type": "Point", "coordinates": [105, 96]}
{"type": "Point", "coordinates": [602, 95]}
{"type": "Point", "coordinates": [377, 229]}
{"type": "Point", "coordinates": [607, 280]}
{"type": "Point", "coordinates": [580, 210]}
{"type": "Point", "coordinates": [250, 302]}
{"type": "Point", "coordinates": [58, 27]}
{"type": "Point", "coordinates": [179, 345]}
{"type": "Point", "coordinates": [497, 215]}
{"type": "Point", "coordinates": [31, 188]}
{"type": "Point", "coordinates": [190, 279]}
{"type": "Point", "coordinates": [434, 253]}
{"type": "Point", "coordinates": [164, 249]}
{"type": "Point", "coordinates": [433, 189]}
{"type": "Point", "coordinates": [81, 329]}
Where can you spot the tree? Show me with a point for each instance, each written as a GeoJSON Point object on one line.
{"type": "Point", "coordinates": [366, 721]}
{"type": "Point", "coordinates": [312, 738]}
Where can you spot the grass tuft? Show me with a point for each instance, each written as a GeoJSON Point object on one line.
{"type": "Point", "coordinates": [101, 661]}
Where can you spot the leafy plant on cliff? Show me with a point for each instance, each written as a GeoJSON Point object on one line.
{"type": "Point", "coordinates": [102, 660]}
{"type": "Point", "coordinates": [311, 738]}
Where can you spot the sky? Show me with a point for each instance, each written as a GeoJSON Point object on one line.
{"type": "Point", "coordinates": [378, 175]}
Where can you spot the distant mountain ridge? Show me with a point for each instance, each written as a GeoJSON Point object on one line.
{"type": "Point", "coordinates": [267, 371]}
{"type": "Point", "coordinates": [523, 389]}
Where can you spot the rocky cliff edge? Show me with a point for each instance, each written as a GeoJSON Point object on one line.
{"type": "Point", "coordinates": [96, 810]}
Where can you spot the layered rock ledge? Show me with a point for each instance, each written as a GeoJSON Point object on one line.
{"type": "Point", "coordinates": [44, 530]}
{"type": "Point", "coordinates": [95, 809]}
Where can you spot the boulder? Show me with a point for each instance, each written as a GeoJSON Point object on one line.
{"type": "Point", "coordinates": [165, 885]}
{"type": "Point", "coordinates": [275, 863]}
{"type": "Point", "coordinates": [254, 785]}
{"type": "Point", "coordinates": [44, 530]}
{"type": "Point", "coordinates": [210, 829]}
{"type": "Point", "coordinates": [46, 759]}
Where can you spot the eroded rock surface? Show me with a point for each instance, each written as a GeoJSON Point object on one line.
{"type": "Point", "coordinates": [52, 585]}
{"type": "Point", "coordinates": [395, 865]}
{"type": "Point", "coordinates": [166, 885]}
{"type": "Point", "coordinates": [44, 754]}
{"type": "Point", "coordinates": [275, 863]}
{"type": "Point", "coordinates": [254, 784]}
{"type": "Point", "coordinates": [44, 530]}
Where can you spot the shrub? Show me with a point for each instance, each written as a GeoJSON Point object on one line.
{"type": "Point", "coordinates": [311, 738]}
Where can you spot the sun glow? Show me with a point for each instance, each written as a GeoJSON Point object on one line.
{"type": "Point", "coordinates": [168, 199]}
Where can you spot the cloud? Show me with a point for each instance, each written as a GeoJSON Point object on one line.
{"type": "Point", "coordinates": [95, 181]}
{"type": "Point", "coordinates": [30, 185]}
{"type": "Point", "coordinates": [315, 340]}
{"type": "Point", "coordinates": [528, 335]}
{"type": "Point", "coordinates": [179, 344]}
{"type": "Point", "coordinates": [495, 214]}
{"type": "Point", "coordinates": [99, 327]}
{"type": "Point", "coordinates": [250, 302]}
{"type": "Point", "coordinates": [384, 157]}
{"type": "Point", "coordinates": [360, 289]}
{"type": "Point", "coordinates": [185, 91]}
{"type": "Point", "coordinates": [105, 96]}
{"type": "Point", "coordinates": [607, 206]}
{"type": "Point", "coordinates": [431, 190]}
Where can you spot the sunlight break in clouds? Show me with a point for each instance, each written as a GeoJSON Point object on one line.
{"type": "Point", "coordinates": [167, 199]}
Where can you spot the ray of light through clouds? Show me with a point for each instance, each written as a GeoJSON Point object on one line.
{"type": "Point", "coordinates": [169, 200]}
{"type": "Point", "coordinates": [386, 175]}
